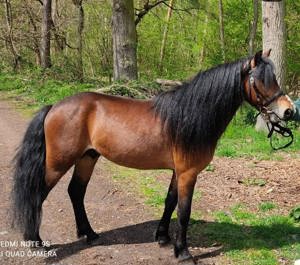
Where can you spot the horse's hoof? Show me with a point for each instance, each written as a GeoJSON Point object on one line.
{"type": "Point", "coordinates": [184, 257]}
{"type": "Point", "coordinates": [35, 241]}
{"type": "Point", "coordinates": [163, 240]}
{"type": "Point", "coordinates": [189, 261]}
{"type": "Point", "coordinates": [91, 238]}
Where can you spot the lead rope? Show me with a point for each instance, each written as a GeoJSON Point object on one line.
{"type": "Point", "coordinates": [283, 131]}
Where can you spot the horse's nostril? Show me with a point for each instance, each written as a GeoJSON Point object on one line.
{"type": "Point", "coordinates": [288, 114]}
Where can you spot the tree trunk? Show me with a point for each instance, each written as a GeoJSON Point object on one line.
{"type": "Point", "coordinates": [253, 28]}
{"type": "Point", "coordinates": [46, 35]}
{"type": "Point", "coordinates": [274, 36]}
{"type": "Point", "coordinates": [202, 50]}
{"type": "Point", "coordinates": [165, 35]}
{"type": "Point", "coordinates": [124, 40]}
{"type": "Point", "coordinates": [222, 38]}
{"type": "Point", "coordinates": [9, 37]}
{"type": "Point", "coordinates": [80, 27]}
{"type": "Point", "coordinates": [58, 36]}
{"type": "Point", "coordinates": [35, 34]}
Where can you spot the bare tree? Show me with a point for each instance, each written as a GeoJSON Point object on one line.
{"type": "Point", "coordinates": [165, 34]}
{"type": "Point", "coordinates": [253, 28]}
{"type": "Point", "coordinates": [59, 36]}
{"type": "Point", "coordinates": [9, 35]}
{"type": "Point", "coordinates": [35, 36]}
{"type": "Point", "coordinates": [274, 36]}
{"type": "Point", "coordinates": [124, 40]}
{"type": "Point", "coordinates": [204, 33]}
{"type": "Point", "coordinates": [46, 34]}
{"type": "Point", "coordinates": [80, 27]}
{"type": "Point", "coordinates": [221, 22]}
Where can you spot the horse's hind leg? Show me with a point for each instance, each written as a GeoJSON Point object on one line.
{"type": "Point", "coordinates": [162, 233]}
{"type": "Point", "coordinates": [77, 188]}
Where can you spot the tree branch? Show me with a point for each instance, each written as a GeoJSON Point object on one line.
{"type": "Point", "coordinates": [140, 13]}
{"type": "Point", "coordinates": [147, 7]}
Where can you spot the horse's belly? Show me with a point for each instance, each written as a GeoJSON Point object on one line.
{"type": "Point", "coordinates": [142, 163]}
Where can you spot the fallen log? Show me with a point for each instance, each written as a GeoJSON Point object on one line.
{"type": "Point", "coordinates": [166, 82]}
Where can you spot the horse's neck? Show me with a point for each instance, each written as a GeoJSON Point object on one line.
{"type": "Point", "coordinates": [228, 117]}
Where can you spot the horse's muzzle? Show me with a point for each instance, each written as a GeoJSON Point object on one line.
{"type": "Point", "coordinates": [288, 114]}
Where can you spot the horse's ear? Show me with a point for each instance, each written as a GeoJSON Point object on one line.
{"type": "Point", "coordinates": [246, 67]}
{"type": "Point", "coordinates": [267, 53]}
{"type": "Point", "coordinates": [256, 59]}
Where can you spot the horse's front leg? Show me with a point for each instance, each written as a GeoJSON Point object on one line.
{"type": "Point", "coordinates": [185, 185]}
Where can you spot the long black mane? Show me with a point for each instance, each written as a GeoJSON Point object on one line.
{"type": "Point", "coordinates": [196, 113]}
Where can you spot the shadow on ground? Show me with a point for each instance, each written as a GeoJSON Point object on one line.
{"type": "Point", "coordinates": [227, 236]}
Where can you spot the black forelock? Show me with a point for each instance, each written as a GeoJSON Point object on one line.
{"type": "Point", "coordinates": [196, 113]}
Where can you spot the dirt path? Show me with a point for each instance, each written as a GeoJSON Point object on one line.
{"type": "Point", "coordinates": [125, 225]}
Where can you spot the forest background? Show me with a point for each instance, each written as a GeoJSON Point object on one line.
{"type": "Point", "coordinates": [175, 39]}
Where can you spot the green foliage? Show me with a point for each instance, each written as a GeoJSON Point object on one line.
{"type": "Point", "coordinates": [249, 118]}
{"type": "Point", "coordinates": [253, 182]}
{"type": "Point", "coordinates": [266, 206]}
{"type": "Point", "coordinates": [293, 36]}
{"type": "Point", "coordinates": [9, 82]}
{"type": "Point", "coordinates": [39, 89]}
{"type": "Point", "coordinates": [192, 42]}
{"type": "Point", "coordinates": [295, 213]}
{"type": "Point", "coordinates": [210, 168]}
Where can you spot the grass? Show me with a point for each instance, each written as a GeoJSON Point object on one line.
{"type": "Point", "coordinates": [241, 140]}
{"type": "Point", "coordinates": [36, 90]}
{"type": "Point", "coordinates": [295, 213]}
{"type": "Point", "coordinates": [266, 206]}
{"type": "Point", "coordinates": [250, 238]}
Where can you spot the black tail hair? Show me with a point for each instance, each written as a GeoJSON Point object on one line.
{"type": "Point", "coordinates": [29, 187]}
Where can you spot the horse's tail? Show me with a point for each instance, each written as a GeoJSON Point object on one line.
{"type": "Point", "coordinates": [29, 187]}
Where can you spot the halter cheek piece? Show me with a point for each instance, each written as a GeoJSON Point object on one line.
{"type": "Point", "coordinates": [263, 109]}
{"type": "Point", "coordinates": [263, 106]}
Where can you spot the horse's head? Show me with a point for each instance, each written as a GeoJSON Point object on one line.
{"type": "Point", "coordinates": [263, 92]}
